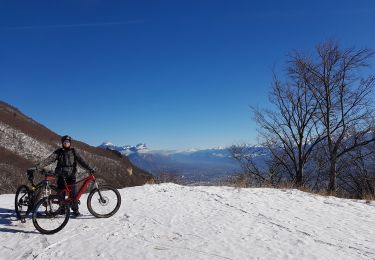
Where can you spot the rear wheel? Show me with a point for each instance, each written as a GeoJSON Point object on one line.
{"type": "Point", "coordinates": [22, 202]}
{"type": "Point", "coordinates": [50, 214]}
{"type": "Point", "coordinates": [104, 202]}
{"type": "Point", "coordinates": [26, 198]}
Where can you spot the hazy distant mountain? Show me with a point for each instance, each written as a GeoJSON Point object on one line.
{"type": "Point", "coordinates": [193, 165]}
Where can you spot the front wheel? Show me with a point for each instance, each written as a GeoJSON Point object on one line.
{"type": "Point", "coordinates": [104, 202]}
{"type": "Point", "coordinates": [50, 214]}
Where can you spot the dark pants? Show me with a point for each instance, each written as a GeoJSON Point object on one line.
{"type": "Point", "coordinates": [70, 180]}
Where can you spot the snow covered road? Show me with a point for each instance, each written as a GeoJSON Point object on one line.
{"type": "Point", "coordinates": [169, 221]}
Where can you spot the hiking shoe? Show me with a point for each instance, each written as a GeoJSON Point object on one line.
{"type": "Point", "coordinates": [76, 213]}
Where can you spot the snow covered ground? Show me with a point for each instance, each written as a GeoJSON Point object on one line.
{"type": "Point", "coordinates": [169, 221]}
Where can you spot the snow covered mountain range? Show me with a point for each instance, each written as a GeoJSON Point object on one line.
{"type": "Point", "coordinates": [126, 149]}
{"type": "Point", "coordinates": [192, 165]}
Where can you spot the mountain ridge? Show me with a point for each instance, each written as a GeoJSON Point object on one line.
{"type": "Point", "coordinates": [24, 142]}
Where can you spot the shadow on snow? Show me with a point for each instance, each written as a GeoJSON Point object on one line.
{"type": "Point", "coordinates": [8, 218]}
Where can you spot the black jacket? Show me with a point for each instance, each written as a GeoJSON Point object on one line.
{"type": "Point", "coordinates": [66, 162]}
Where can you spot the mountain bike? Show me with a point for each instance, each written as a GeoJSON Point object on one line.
{"type": "Point", "coordinates": [26, 197]}
{"type": "Point", "coordinates": [52, 213]}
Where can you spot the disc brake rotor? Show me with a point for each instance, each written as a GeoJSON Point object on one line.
{"type": "Point", "coordinates": [103, 201]}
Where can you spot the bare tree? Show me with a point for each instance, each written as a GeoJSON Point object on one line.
{"type": "Point", "coordinates": [343, 97]}
{"type": "Point", "coordinates": [357, 173]}
{"type": "Point", "coordinates": [290, 129]}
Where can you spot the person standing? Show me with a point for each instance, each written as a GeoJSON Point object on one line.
{"type": "Point", "coordinates": [66, 168]}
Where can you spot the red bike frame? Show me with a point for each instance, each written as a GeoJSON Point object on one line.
{"type": "Point", "coordinates": [86, 181]}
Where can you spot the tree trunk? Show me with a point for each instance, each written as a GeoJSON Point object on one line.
{"type": "Point", "coordinates": [332, 176]}
{"type": "Point", "coordinates": [299, 176]}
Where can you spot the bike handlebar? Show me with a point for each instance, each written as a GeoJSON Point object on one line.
{"type": "Point", "coordinates": [30, 173]}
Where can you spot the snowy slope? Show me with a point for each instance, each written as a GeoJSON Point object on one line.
{"type": "Point", "coordinates": [182, 222]}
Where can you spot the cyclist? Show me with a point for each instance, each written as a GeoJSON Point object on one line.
{"type": "Point", "coordinates": [66, 168]}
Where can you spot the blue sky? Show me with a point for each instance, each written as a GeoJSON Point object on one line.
{"type": "Point", "coordinates": [172, 74]}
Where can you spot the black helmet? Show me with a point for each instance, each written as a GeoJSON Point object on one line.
{"type": "Point", "coordinates": [66, 137]}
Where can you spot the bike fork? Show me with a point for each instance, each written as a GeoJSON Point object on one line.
{"type": "Point", "coordinates": [101, 199]}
